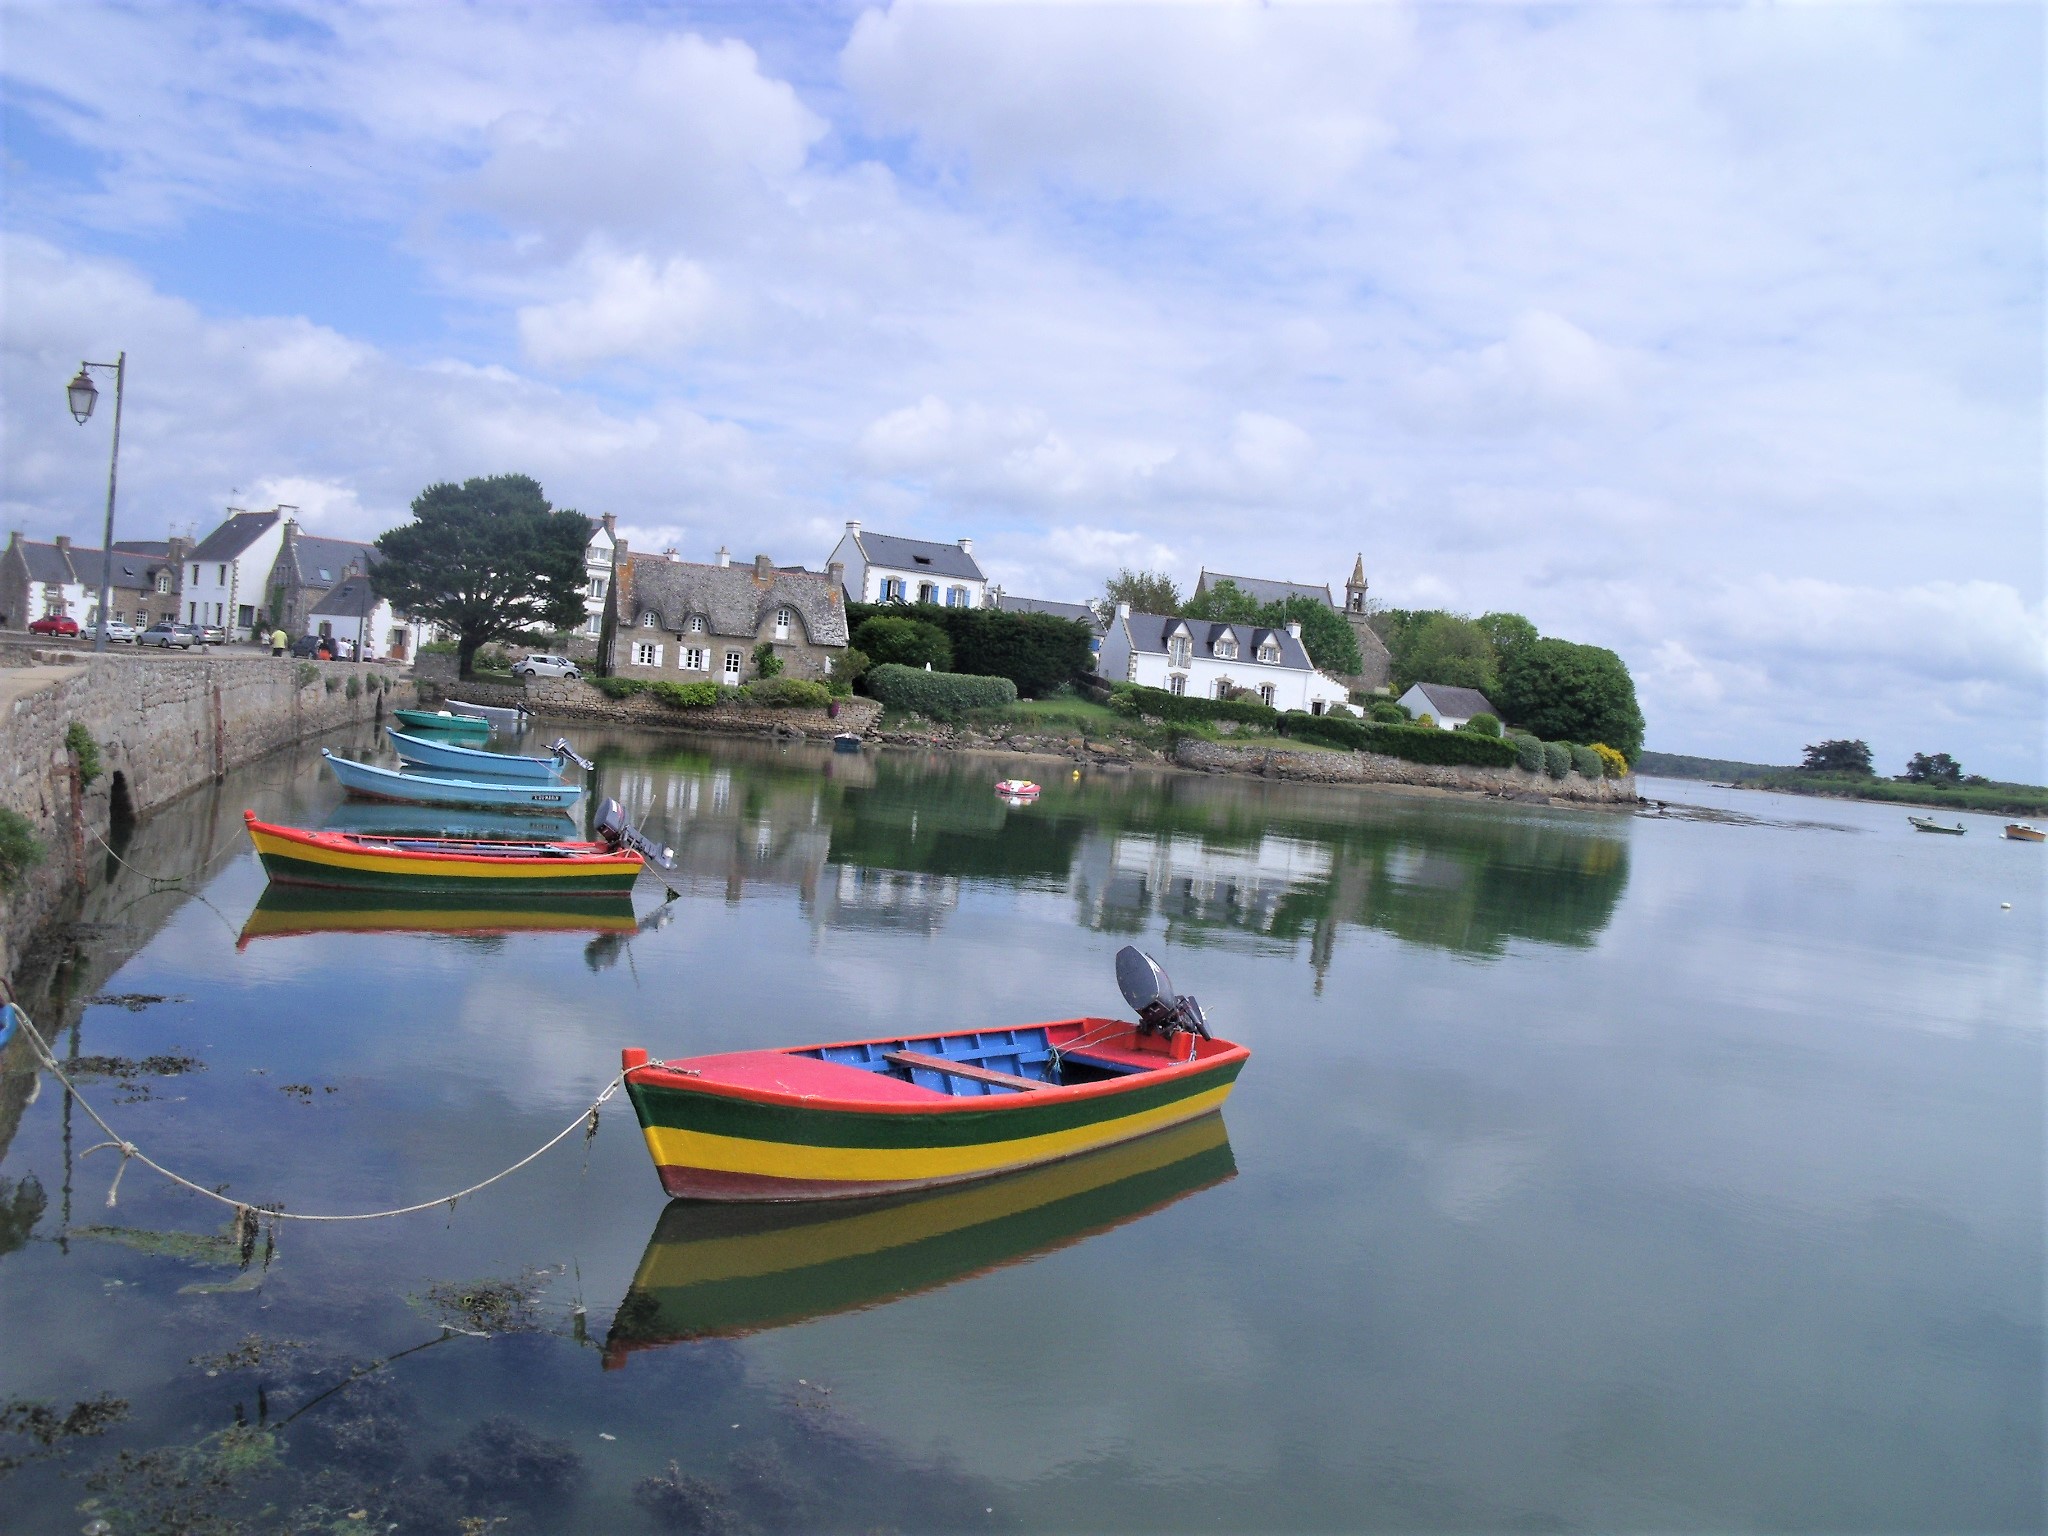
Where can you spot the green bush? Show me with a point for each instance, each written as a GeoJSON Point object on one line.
{"type": "Point", "coordinates": [675, 695]}
{"type": "Point", "coordinates": [897, 639]}
{"type": "Point", "coordinates": [1132, 701]}
{"type": "Point", "coordinates": [1411, 743]}
{"type": "Point", "coordinates": [1387, 712]}
{"type": "Point", "coordinates": [334, 685]}
{"type": "Point", "coordinates": [20, 850]}
{"type": "Point", "coordinates": [1036, 651]}
{"type": "Point", "coordinates": [848, 668]}
{"type": "Point", "coordinates": [1482, 724]}
{"type": "Point", "coordinates": [1330, 730]}
{"type": "Point", "coordinates": [439, 648]}
{"type": "Point", "coordinates": [81, 745]}
{"type": "Point", "coordinates": [1587, 764]}
{"type": "Point", "coordinates": [788, 693]}
{"type": "Point", "coordinates": [766, 662]}
{"type": "Point", "coordinates": [355, 687]}
{"type": "Point", "coordinates": [307, 674]}
{"type": "Point", "coordinates": [1528, 751]}
{"type": "Point", "coordinates": [941, 695]}
{"type": "Point", "coordinates": [1557, 759]}
{"type": "Point", "coordinates": [1614, 762]}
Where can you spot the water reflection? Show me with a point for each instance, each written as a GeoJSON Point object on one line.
{"type": "Point", "coordinates": [725, 1270]}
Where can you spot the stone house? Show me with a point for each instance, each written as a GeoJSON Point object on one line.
{"type": "Point", "coordinates": [685, 622]}
{"type": "Point", "coordinates": [40, 579]}
{"type": "Point", "coordinates": [1211, 659]}
{"type": "Point", "coordinates": [308, 567]}
{"type": "Point", "coordinates": [882, 568]}
{"type": "Point", "coordinates": [227, 573]}
{"type": "Point", "coordinates": [1377, 671]}
{"type": "Point", "coordinates": [1451, 707]}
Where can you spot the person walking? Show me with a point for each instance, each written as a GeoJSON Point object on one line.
{"type": "Point", "coordinates": [278, 642]}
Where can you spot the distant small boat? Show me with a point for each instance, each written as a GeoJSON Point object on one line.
{"type": "Point", "coordinates": [1927, 824]}
{"type": "Point", "coordinates": [428, 753]}
{"type": "Point", "coordinates": [368, 861]}
{"type": "Point", "coordinates": [444, 722]}
{"type": "Point", "coordinates": [372, 783]}
{"type": "Point", "coordinates": [890, 1115]}
{"type": "Point", "coordinates": [846, 741]}
{"type": "Point", "coordinates": [1017, 789]}
{"type": "Point", "coordinates": [509, 718]}
{"type": "Point", "coordinates": [2020, 832]}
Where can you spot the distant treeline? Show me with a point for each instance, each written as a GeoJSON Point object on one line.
{"type": "Point", "coordinates": [1997, 799]}
{"type": "Point", "coordinates": [1720, 770]}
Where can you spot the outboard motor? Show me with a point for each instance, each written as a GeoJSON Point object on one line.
{"type": "Point", "coordinates": [1161, 1010]}
{"type": "Point", "coordinates": [613, 827]}
{"type": "Point", "coordinates": [561, 748]}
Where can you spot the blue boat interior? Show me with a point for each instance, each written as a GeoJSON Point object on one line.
{"type": "Point", "coordinates": [975, 1061]}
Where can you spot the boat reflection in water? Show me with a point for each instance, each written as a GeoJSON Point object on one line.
{"type": "Point", "coordinates": [390, 818]}
{"type": "Point", "coordinates": [716, 1270]}
{"type": "Point", "coordinates": [289, 911]}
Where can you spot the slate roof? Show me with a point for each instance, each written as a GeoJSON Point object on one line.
{"type": "Point", "coordinates": [155, 549]}
{"type": "Point", "coordinates": [45, 562]}
{"type": "Point", "coordinates": [318, 562]}
{"type": "Point", "coordinates": [728, 598]}
{"type": "Point", "coordinates": [1264, 591]}
{"type": "Point", "coordinates": [235, 535]}
{"type": "Point", "coordinates": [353, 598]}
{"type": "Point", "coordinates": [131, 569]}
{"type": "Point", "coordinates": [1080, 611]}
{"type": "Point", "coordinates": [1456, 703]}
{"type": "Point", "coordinates": [918, 555]}
{"type": "Point", "coordinates": [1149, 632]}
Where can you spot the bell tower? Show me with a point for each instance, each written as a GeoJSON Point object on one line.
{"type": "Point", "coordinates": [1378, 669]}
{"type": "Point", "coordinates": [1354, 589]}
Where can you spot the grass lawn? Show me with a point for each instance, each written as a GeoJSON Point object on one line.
{"type": "Point", "coordinates": [1079, 717]}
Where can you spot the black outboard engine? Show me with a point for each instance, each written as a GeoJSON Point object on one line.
{"type": "Point", "coordinates": [1161, 1010]}
{"type": "Point", "coordinates": [561, 748]}
{"type": "Point", "coordinates": [613, 827]}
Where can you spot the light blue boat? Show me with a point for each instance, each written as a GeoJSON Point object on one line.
{"type": "Point", "coordinates": [368, 783]}
{"type": "Point", "coordinates": [447, 757]}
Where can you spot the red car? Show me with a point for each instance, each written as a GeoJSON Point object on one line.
{"type": "Point", "coordinates": [55, 624]}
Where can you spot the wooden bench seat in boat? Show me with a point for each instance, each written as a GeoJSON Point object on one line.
{"type": "Point", "coordinates": [918, 1059]}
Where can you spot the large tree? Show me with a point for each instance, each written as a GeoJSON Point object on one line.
{"type": "Point", "coordinates": [1933, 768]}
{"type": "Point", "coordinates": [1145, 591]}
{"type": "Point", "coordinates": [1444, 648]}
{"type": "Point", "coordinates": [1576, 693]}
{"type": "Point", "coordinates": [489, 559]}
{"type": "Point", "coordinates": [1226, 602]}
{"type": "Point", "coordinates": [1325, 634]}
{"type": "Point", "coordinates": [1844, 757]}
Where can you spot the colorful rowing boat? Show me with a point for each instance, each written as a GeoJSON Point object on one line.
{"type": "Point", "coordinates": [373, 783]}
{"type": "Point", "coordinates": [296, 911]}
{"type": "Point", "coordinates": [727, 1271]}
{"type": "Point", "coordinates": [425, 752]}
{"type": "Point", "coordinates": [881, 1116]}
{"type": "Point", "coordinates": [384, 862]}
{"type": "Point", "coordinates": [472, 726]}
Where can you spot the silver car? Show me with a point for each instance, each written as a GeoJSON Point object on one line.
{"type": "Point", "coordinates": [166, 634]}
{"type": "Point", "coordinates": [119, 631]}
{"type": "Point", "coordinates": [546, 666]}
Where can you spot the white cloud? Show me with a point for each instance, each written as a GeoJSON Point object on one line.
{"type": "Point", "coordinates": [1545, 368]}
{"type": "Point", "coordinates": [629, 307]}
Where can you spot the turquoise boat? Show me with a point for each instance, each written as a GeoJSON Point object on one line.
{"type": "Point", "coordinates": [370, 783]}
{"type": "Point", "coordinates": [469, 726]}
{"type": "Point", "coordinates": [445, 756]}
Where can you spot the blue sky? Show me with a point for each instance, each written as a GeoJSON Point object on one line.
{"type": "Point", "coordinates": [1712, 334]}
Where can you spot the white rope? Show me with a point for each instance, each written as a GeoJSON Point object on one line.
{"type": "Point", "coordinates": [273, 1212]}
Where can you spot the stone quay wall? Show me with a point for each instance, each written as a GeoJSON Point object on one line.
{"type": "Point", "coordinates": [163, 725]}
{"type": "Point", "coordinates": [1377, 768]}
{"type": "Point", "coordinates": [574, 699]}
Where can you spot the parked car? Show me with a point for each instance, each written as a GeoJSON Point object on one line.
{"type": "Point", "coordinates": [546, 666]}
{"type": "Point", "coordinates": [212, 634]}
{"type": "Point", "coordinates": [165, 635]}
{"type": "Point", "coordinates": [118, 630]}
{"type": "Point", "coordinates": [54, 624]}
{"type": "Point", "coordinates": [309, 646]}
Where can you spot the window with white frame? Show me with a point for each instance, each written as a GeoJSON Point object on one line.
{"type": "Point", "coordinates": [1180, 651]}
{"type": "Point", "coordinates": [1226, 648]}
{"type": "Point", "coordinates": [892, 589]}
{"type": "Point", "coordinates": [697, 625]}
{"type": "Point", "coordinates": [1269, 651]}
{"type": "Point", "coordinates": [1225, 688]}
{"type": "Point", "coordinates": [163, 581]}
{"type": "Point", "coordinates": [694, 659]}
{"type": "Point", "coordinates": [593, 624]}
{"type": "Point", "coordinates": [783, 619]}
{"type": "Point", "coordinates": [648, 620]}
{"type": "Point", "coordinates": [956, 597]}
{"type": "Point", "coordinates": [646, 654]}
{"type": "Point", "coordinates": [733, 662]}
{"type": "Point", "coordinates": [1177, 683]}
{"type": "Point", "coordinates": [927, 592]}
{"type": "Point", "coordinates": [1266, 694]}
{"type": "Point", "coordinates": [223, 577]}
{"type": "Point", "coordinates": [597, 589]}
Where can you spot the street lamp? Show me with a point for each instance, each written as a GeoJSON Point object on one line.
{"type": "Point", "coordinates": [83, 396]}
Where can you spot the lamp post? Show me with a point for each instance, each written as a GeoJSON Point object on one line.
{"type": "Point", "coordinates": [83, 397]}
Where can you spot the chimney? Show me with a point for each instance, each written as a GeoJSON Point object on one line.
{"type": "Point", "coordinates": [724, 556]}
{"type": "Point", "coordinates": [611, 524]}
{"type": "Point", "coordinates": [1123, 610]}
{"type": "Point", "coordinates": [837, 571]}
{"type": "Point", "coordinates": [967, 546]}
{"type": "Point", "coordinates": [853, 526]}
{"type": "Point", "coordinates": [674, 556]}
{"type": "Point", "coordinates": [64, 542]}
{"type": "Point", "coordinates": [1294, 628]}
{"type": "Point", "coordinates": [764, 568]}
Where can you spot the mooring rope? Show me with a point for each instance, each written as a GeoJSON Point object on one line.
{"type": "Point", "coordinates": [163, 880]}
{"type": "Point", "coordinates": [247, 1212]}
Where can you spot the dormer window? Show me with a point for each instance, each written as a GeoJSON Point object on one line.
{"type": "Point", "coordinates": [648, 620]}
{"type": "Point", "coordinates": [1225, 648]}
{"type": "Point", "coordinates": [1269, 651]}
{"type": "Point", "coordinates": [783, 619]}
{"type": "Point", "coordinates": [921, 559]}
{"type": "Point", "coordinates": [1180, 651]}
{"type": "Point", "coordinates": [697, 625]}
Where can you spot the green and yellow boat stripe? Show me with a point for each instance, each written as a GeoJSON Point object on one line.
{"type": "Point", "coordinates": [277, 851]}
{"type": "Point", "coordinates": [675, 1147]}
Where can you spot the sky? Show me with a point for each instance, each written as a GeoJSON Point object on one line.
{"type": "Point", "coordinates": [1713, 334]}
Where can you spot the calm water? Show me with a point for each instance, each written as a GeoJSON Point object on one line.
{"type": "Point", "coordinates": [1590, 1171]}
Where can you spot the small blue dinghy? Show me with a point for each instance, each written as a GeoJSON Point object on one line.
{"type": "Point", "coordinates": [446, 756]}
{"type": "Point", "coordinates": [368, 783]}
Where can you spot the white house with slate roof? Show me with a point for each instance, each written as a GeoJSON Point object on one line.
{"type": "Point", "coordinates": [227, 572]}
{"type": "Point", "coordinates": [1450, 707]}
{"type": "Point", "coordinates": [881, 568]}
{"type": "Point", "coordinates": [1211, 659]}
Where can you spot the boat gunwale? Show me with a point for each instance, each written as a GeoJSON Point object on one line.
{"type": "Point", "coordinates": [656, 1074]}
{"type": "Point", "coordinates": [587, 856]}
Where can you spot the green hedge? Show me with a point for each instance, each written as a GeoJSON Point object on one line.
{"type": "Point", "coordinates": [1557, 759]}
{"type": "Point", "coordinates": [1411, 743]}
{"type": "Point", "coordinates": [675, 695]}
{"type": "Point", "coordinates": [1036, 651]}
{"type": "Point", "coordinates": [1132, 701]}
{"type": "Point", "coordinates": [1586, 762]}
{"type": "Point", "coordinates": [1528, 751]}
{"type": "Point", "coordinates": [786, 693]}
{"type": "Point", "coordinates": [941, 695]}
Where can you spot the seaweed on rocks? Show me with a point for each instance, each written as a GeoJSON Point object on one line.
{"type": "Point", "coordinates": [680, 1502]}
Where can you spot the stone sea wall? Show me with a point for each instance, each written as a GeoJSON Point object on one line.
{"type": "Point", "coordinates": [577, 700]}
{"type": "Point", "coordinates": [163, 724]}
{"type": "Point", "coordinates": [1376, 768]}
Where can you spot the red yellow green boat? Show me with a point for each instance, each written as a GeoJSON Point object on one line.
{"type": "Point", "coordinates": [880, 1116]}
{"type": "Point", "coordinates": [373, 861]}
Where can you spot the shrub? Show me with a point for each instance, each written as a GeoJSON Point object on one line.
{"type": "Point", "coordinates": [1566, 691]}
{"type": "Point", "coordinates": [307, 674]}
{"type": "Point", "coordinates": [87, 751]}
{"type": "Point", "coordinates": [1482, 724]}
{"type": "Point", "coordinates": [439, 648]}
{"type": "Point", "coordinates": [1387, 712]}
{"type": "Point", "coordinates": [1426, 718]}
{"type": "Point", "coordinates": [1036, 651]}
{"type": "Point", "coordinates": [1613, 761]}
{"type": "Point", "coordinates": [848, 668]}
{"type": "Point", "coordinates": [685, 695]}
{"type": "Point", "coordinates": [20, 850]}
{"type": "Point", "coordinates": [941, 695]}
{"type": "Point", "coordinates": [766, 662]}
{"type": "Point", "coordinates": [788, 693]}
{"type": "Point", "coordinates": [1412, 743]}
{"type": "Point", "coordinates": [1132, 701]}
{"type": "Point", "coordinates": [892, 639]}
{"type": "Point", "coordinates": [334, 685]}
{"type": "Point", "coordinates": [1557, 759]}
{"type": "Point", "coordinates": [1587, 764]}
{"type": "Point", "coordinates": [1528, 751]}
{"type": "Point", "coordinates": [355, 687]}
